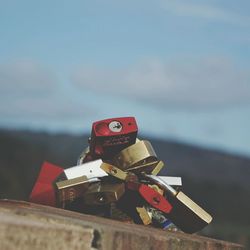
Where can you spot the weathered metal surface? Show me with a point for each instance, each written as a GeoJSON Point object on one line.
{"type": "Point", "coordinates": [25, 225]}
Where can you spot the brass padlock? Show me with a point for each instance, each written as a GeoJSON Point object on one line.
{"type": "Point", "coordinates": [68, 191]}
{"type": "Point", "coordinates": [144, 215]}
{"type": "Point", "coordinates": [185, 214]}
{"type": "Point", "coordinates": [103, 193]}
{"type": "Point", "coordinates": [137, 154]}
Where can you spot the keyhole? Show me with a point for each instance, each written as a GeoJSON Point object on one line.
{"type": "Point", "coordinates": [113, 171]}
{"type": "Point", "coordinates": [156, 200]}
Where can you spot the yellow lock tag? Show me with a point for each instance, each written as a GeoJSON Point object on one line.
{"type": "Point", "coordinates": [114, 171]}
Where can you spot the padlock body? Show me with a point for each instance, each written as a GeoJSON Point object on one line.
{"type": "Point", "coordinates": [110, 136]}
{"type": "Point", "coordinates": [186, 214]}
{"type": "Point", "coordinates": [103, 193]}
{"type": "Point", "coordinates": [68, 191]}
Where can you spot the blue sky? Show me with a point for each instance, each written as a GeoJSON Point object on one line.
{"type": "Point", "coordinates": [182, 68]}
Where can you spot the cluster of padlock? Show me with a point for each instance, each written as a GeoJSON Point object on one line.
{"type": "Point", "coordinates": [116, 177]}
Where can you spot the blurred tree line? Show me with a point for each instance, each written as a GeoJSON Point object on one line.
{"type": "Point", "coordinates": [217, 181]}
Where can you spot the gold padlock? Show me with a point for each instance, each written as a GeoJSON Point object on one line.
{"type": "Point", "coordinates": [153, 168]}
{"type": "Point", "coordinates": [103, 193]}
{"type": "Point", "coordinates": [186, 214]}
{"type": "Point", "coordinates": [68, 191]}
{"type": "Point", "coordinates": [137, 154]}
{"type": "Point", "coordinates": [144, 215]}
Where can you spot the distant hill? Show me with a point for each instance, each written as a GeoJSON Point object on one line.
{"type": "Point", "coordinates": [217, 181]}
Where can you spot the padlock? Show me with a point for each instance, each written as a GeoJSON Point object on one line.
{"type": "Point", "coordinates": [144, 215]}
{"type": "Point", "coordinates": [126, 175]}
{"type": "Point", "coordinates": [139, 153]}
{"type": "Point", "coordinates": [155, 199]}
{"type": "Point", "coordinates": [68, 191]}
{"type": "Point", "coordinates": [85, 156]}
{"type": "Point", "coordinates": [158, 218]}
{"type": "Point", "coordinates": [90, 169]}
{"type": "Point", "coordinates": [114, 171]}
{"type": "Point", "coordinates": [157, 189]}
{"type": "Point", "coordinates": [186, 214]}
{"type": "Point", "coordinates": [110, 136]}
{"type": "Point", "coordinates": [43, 190]}
{"type": "Point", "coordinates": [103, 193]}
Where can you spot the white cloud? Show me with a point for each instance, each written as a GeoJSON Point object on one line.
{"type": "Point", "coordinates": [204, 11]}
{"type": "Point", "coordinates": [205, 82]}
{"type": "Point", "coordinates": [26, 77]}
{"type": "Point", "coordinates": [32, 92]}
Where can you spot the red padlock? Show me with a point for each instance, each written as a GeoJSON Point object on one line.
{"type": "Point", "coordinates": [43, 191]}
{"type": "Point", "coordinates": [110, 136]}
{"type": "Point", "coordinates": [155, 199]}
